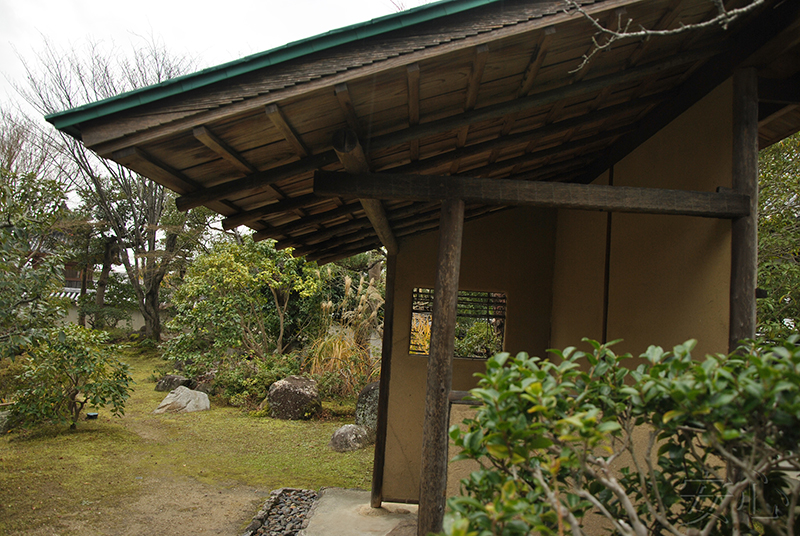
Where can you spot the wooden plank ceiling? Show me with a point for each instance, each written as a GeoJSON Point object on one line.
{"type": "Point", "coordinates": [490, 93]}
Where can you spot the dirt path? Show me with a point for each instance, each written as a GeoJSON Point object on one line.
{"type": "Point", "coordinates": [167, 507]}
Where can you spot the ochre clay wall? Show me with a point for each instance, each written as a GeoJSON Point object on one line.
{"type": "Point", "coordinates": [669, 276]}
{"type": "Point", "coordinates": [496, 257]}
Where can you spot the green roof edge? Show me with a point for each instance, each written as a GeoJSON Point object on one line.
{"type": "Point", "coordinates": [68, 120]}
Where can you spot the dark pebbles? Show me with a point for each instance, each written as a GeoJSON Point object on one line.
{"type": "Point", "coordinates": [283, 514]}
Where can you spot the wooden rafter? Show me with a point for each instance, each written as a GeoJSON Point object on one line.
{"type": "Point", "coordinates": [666, 20]}
{"type": "Point", "coordinates": [309, 222]}
{"type": "Point", "coordinates": [276, 116]}
{"type": "Point", "coordinates": [152, 167]}
{"type": "Point", "coordinates": [342, 92]}
{"type": "Point", "coordinates": [473, 86]}
{"type": "Point", "coordinates": [719, 68]}
{"type": "Point", "coordinates": [537, 59]}
{"type": "Point", "coordinates": [256, 183]}
{"type": "Point", "coordinates": [210, 140]}
{"type": "Point", "coordinates": [352, 157]}
{"type": "Point", "coordinates": [249, 216]}
{"type": "Point", "coordinates": [412, 75]}
{"type": "Point", "coordinates": [504, 192]}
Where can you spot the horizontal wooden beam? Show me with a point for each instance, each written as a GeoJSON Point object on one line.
{"type": "Point", "coordinates": [506, 192]}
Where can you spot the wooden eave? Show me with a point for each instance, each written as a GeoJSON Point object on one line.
{"type": "Point", "coordinates": [488, 93]}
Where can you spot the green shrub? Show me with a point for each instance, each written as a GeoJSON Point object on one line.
{"type": "Point", "coordinates": [245, 383]}
{"type": "Point", "coordinates": [555, 440]}
{"type": "Point", "coordinates": [67, 370]}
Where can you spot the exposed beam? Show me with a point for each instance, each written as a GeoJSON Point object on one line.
{"type": "Point", "coordinates": [473, 86]}
{"type": "Point", "coordinates": [744, 231]}
{"type": "Point", "coordinates": [537, 59]}
{"type": "Point", "coordinates": [210, 140]}
{"type": "Point", "coordinates": [531, 136]}
{"type": "Point", "coordinates": [276, 116]}
{"type": "Point", "coordinates": [507, 192]}
{"type": "Point", "coordinates": [249, 216]}
{"type": "Point", "coordinates": [253, 184]}
{"type": "Point", "coordinates": [433, 480]}
{"type": "Point", "coordinates": [151, 167]}
{"type": "Point", "coordinates": [346, 104]}
{"type": "Point", "coordinates": [352, 157]}
{"type": "Point", "coordinates": [412, 74]}
{"type": "Point", "coordinates": [543, 98]}
{"type": "Point", "coordinates": [666, 20]}
{"type": "Point", "coordinates": [261, 180]}
{"type": "Point", "coordinates": [749, 40]}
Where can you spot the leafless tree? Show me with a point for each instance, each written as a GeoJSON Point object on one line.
{"type": "Point", "coordinates": [626, 28]}
{"type": "Point", "coordinates": [150, 232]}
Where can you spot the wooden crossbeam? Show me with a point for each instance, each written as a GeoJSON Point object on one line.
{"type": "Point", "coordinates": [352, 157]}
{"type": "Point", "coordinates": [505, 192]}
{"type": "Point", "coordinates": [249, 216]}
{"type": "Point", "coordinates": [210, 140]}
{"type": "Point", "coordinates": [276, 116]}
{"type": "Point", "coordinates": [153, 168]}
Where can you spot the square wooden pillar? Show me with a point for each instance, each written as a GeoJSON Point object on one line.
{"type": "Point", "coordinates": [744, 230]}
{"type": "Point", "coordinates": [433, 478]}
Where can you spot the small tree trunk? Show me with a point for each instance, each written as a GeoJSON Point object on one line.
{"type": "Point", "coordinates": [109, 251]}
{"type": "Point", "coordinates": [152, 319]}
{"type": "Point", "coordinates": [84, 285]}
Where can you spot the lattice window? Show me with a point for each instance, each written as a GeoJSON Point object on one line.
{"type": "Point", "coordinates": [480, 323]}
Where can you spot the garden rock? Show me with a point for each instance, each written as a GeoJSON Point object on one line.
{"type": "Point", "coordinates": [183, 399]}
{"type": "Point", "coordinates": [348, 438]}
{"type": "Point", "coordinates": [367, 409]}
{"type": "Point", "coordinates": [172, 381]}
{"type": "Point", "coordinates": [293, 398]}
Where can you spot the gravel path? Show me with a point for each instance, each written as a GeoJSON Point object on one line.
{"type": "Point", "coordinates": [283, 514]}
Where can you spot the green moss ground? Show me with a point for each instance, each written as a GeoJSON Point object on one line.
{"type": "Point", "coordinates": [53, 472]}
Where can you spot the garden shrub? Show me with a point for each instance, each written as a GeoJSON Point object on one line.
{"type": "Point", "coordinates": [245, 383]}
{"type": "Point", "coordinates": [67, 370]}
{"type": "Point", "coordinates": [555, 441]}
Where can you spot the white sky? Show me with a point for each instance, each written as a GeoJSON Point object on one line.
{"type": "Point", "coordinates": [211, 32]}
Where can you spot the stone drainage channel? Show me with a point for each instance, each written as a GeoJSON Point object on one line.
{"type": "Point", "coordinates": [285, 513]}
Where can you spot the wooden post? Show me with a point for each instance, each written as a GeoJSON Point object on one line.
{"type": "Point", "coordinates": [433, 479]}
{"type": "Point", "coordinates": [744, 231]}
{"type": "Point", "coordinates": [383, 393]}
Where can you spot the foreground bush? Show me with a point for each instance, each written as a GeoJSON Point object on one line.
{"type": "Point", "coordinates": [67, 370]}
{"type": "Point", "coordinates": [673, 446]}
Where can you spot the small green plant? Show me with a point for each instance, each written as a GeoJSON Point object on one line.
{"type": "Point", "coordinates": [672, 446]}
{"type": "Point", "coordinates": [64, 372]}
